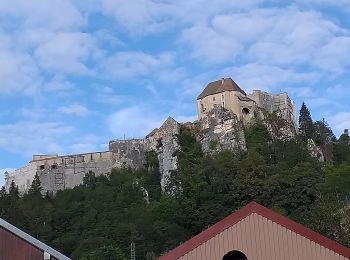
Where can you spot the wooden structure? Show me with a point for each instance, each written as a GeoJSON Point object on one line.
{"type": "Point", "coordinates": [18, 245]}
{"type": "Point", "coordinates": [257, 233]}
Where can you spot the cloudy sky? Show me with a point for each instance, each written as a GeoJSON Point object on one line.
{"type": "Point", "coordinates": [75, 74]}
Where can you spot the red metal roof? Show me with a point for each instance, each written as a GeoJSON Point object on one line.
{"type": "Point", "coordinates": [242, 213]}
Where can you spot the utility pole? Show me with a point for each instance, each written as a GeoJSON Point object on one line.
{"type": "Point", "coordinates": [132, 251]}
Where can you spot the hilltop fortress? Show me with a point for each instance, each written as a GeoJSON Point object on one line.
{"type": "Point", "coordinates": [225, 93]}
{"type": "Point", "coordinates": [223, 110]}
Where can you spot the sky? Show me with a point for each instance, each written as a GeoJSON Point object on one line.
{"type": "Point", "coordinates": [75, 74]}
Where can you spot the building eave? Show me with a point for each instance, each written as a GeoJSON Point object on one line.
{"type": "Point", "coordinates": [31, 240]}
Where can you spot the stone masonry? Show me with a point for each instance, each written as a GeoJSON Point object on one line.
{"type": "Point", "coordinates": [223, 110]}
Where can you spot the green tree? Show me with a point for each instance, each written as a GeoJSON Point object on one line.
{"type": "Point", "coordinates": [325, 138]}
{"type": "Point", "coordinates": [306, 126]}
{"type": "Point", "coordinates": [330, 218]}
{"type": "Point", "coordinates": [13, 190]}
{"type": "Point", "coordinates": [342, 149]}
{"type": "Point", "coordinates": [35, 188]}
{"type": "Point", "coordinates": [258, 138]}
{"type": "Point", "coordinates": [37, 211]}
{"type": "Point", "coordinates": [10, 205]}
{"type": "Point", "coordinates": [88, 221]}
{"type": "Point", "coordinates": [104, 253]}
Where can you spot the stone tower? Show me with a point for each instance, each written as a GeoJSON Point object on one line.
{"type": "Point", "coordinates": [226, 94]}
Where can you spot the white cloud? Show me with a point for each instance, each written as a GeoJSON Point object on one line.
{"type": "Point", "coordinates": [33, 112]}
{"type": "Point", "coordinates": [340, 121]}
{"type": "Point", "coordinates": [332, 57]}
{"type": "Point", "coordinates": [343, 4]}
{"type": "Point", "coordinates": [30, 137]}
{"type": "Point", "coordinates": [291, 35]}
{"type": "Point", "coordinates": [53, 14]}
{"type": "Point", "coordinates": [59, 84]}
{"type": "Point", "coordinates": [268, 35]}
{"type": "Point", "coordinates": [266, 77]}
{"type": "Point", "coordinates": [127, 65]}
{"type": "Point", "coordinates": [193, 85]}
{"type": "Point", "coordinates": [66, 52]}
{"type": "Point", "coordinates": [301, 92]}
{"type": "Point", "coordinates": [133, 122]}
{"type": "Point", "coordinates": [317, 102]}
{"type": "Point", "coordinates": [140, 17]}
{"type": "Point", "coordinates": [37, 37]}
{"type": "Point", "coordinates": [211, 45]}
{"type": "Point", "coordinates": [18, 70]}
{"type": "Point", "coordinates": [74, 109]}
{"type": "Point", "coordinates": [338, 91]}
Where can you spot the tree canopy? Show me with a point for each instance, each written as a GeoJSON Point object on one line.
{"type": "Point", "coordinates": [102, 217]}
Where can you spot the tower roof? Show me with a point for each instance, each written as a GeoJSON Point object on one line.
{"type": "Point", "coordinates": [219, 86]}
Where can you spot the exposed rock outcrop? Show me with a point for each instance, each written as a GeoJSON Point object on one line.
{"type": "Point", "coordinates": [315, 151]}
{"type": "Point", "coordinates": [220, 129]}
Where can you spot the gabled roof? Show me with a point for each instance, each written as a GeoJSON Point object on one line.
{"type": "Point", "coordinates": [31, 240]}
{"type": "Point", "coordinates": [244, 212]}
{"type": "Point", "coordinates": [219, 86]}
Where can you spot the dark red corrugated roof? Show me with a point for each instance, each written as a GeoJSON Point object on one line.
{"type": "Point", "coordinates": [242, 213]}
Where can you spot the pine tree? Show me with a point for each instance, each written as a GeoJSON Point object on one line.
{"type": "Point", "coordinates": [13, 190]}
{"type": "Point", "coordinates": [35, 187]}
{"type": "Point", "coordinates": [306, 126]}
{"type": "Point", "coordinates": [11, 210]}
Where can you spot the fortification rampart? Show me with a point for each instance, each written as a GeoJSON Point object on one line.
{"type": "Point", "coordinates": [128, 152]}
{"type": "Point", "coordinates": [223, 109]}
{"type": "Point", "coordinates": [60, 172]}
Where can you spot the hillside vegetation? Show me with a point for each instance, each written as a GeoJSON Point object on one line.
{"type": "Point", "coordinates": [99, 219]}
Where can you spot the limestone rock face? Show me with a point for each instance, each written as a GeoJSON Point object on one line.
{"type": "Point", "coordinates": [278, 127]}
{"type": "Point", "coordinates": [220, 129]}
{"type": "Point", "coordinates": [315, 151]}
{"type": "Point", "coordinates": [164, 142]}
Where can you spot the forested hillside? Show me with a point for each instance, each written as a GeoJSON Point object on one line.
{"type": "Point", "coordinates": [99, 219]}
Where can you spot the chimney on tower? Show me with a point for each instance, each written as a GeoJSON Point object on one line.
{"type": "Point", "coordinates": [222, 81]}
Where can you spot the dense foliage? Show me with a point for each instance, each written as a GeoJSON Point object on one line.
{"type": "Point", "coordinates": [99, 219]}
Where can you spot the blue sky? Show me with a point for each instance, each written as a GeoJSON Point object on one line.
{"type": "Point", "coordinates": [76, 74]}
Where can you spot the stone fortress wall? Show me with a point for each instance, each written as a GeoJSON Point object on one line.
{"type": "Point", "coordinates": [280, 103]}
{"type": "Point", "coordinates": [60, 172]}
{"type": "Point", "coordinates": [223, 109]}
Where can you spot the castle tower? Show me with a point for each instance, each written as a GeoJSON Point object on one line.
{"type": "Point", "coordinates": [226, 94]}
